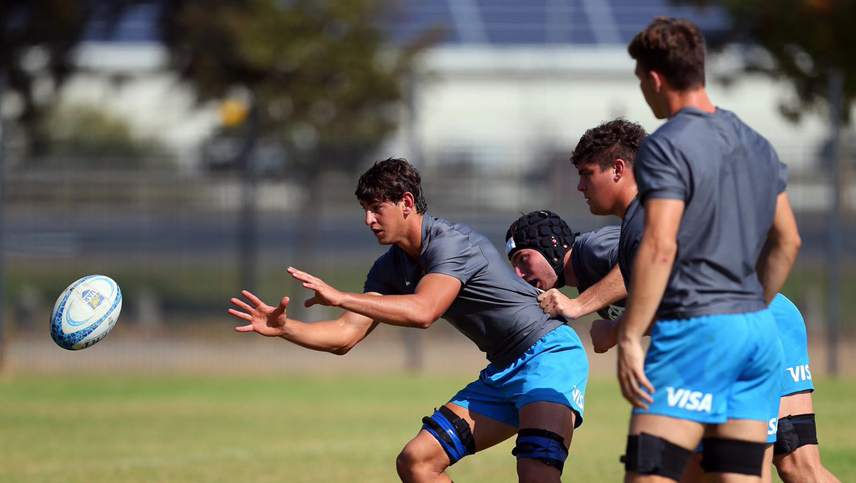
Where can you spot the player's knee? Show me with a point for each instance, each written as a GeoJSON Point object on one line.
{"type": "Point", "coordinates": [546, 447]}
{"type": "Point", "coordinates": [652, 455]}
{"type": "Point", "coordinates": [802, 464]}
{"type": "Point", "coordinates": [732, 456]}
{"type": "Point", "coordinates": [794, 432]}
{"type": "Point", "coordinates": [790, 469]}
{"type": "Point", "coordinates": [417, 459]}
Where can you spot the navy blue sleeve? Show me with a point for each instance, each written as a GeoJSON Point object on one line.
{"type": "Point", "coordinates": [783, 177]}
{"type": "Point", "coordinates": [379, 277]}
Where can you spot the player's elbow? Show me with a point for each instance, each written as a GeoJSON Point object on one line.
{"type": "Point", "coordinates": [664, 250]}
{"type": "Point", "coordinates": [423, 321]}
{"type": "Point", "coordinates": [341, 350]}
{"type": "Point", "coordinates": [796, 243]}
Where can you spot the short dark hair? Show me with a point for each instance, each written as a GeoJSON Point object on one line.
{"type": "Point", "coordinates": [388, 180]}
{"type": "Point", "coordinates": [613, 139]}
{"type": "Point", "coordinates": [673, 47]}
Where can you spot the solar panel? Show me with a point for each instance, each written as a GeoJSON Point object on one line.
{"type": "Point", "coordinates": [511, 22]}
{"type": "Point", "coordinates": [494, 22]}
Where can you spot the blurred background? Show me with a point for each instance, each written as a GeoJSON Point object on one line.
{"type": "Point", "coordinates": [191, 149]}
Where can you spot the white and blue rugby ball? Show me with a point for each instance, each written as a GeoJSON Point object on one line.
{"type": "Point", "coordinates": [85, 312]}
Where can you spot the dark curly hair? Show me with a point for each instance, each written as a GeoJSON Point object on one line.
{"type": "Point", "coordinates": [603, 144]}
{"type": "Point", "coordinates": [388, 180]}
{"type": "Point", "coordinates": [673, 47]}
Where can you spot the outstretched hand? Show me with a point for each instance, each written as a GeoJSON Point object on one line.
{"type": "Point", "coordinates": [263, 319]}
{"type": "Point", "coordinates": [324, 294]}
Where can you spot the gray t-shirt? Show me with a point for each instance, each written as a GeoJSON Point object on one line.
{"type": "Point", "coordinates": [495, 309]}
{"type": "Point", "coordinates": [631, 234]}
{"type": "Point", "coordinates": [593, 256]}
{"type": "Point", "coordinates": [729, 178]}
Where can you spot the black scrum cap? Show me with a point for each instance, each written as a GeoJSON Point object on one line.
{"type": "Point", "coordinates": [545, 232]}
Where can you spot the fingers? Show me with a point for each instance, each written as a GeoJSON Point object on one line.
{"type": "Point", "coordinates": [252, 298]}
{"type": "Point", "coordinates": [240, 315]}
{"type": "Point", "coordinates": [631, 390]}
{"type": "Point", "coordinates": [310, 302]}
{"type": "Point", "coordinates": [244, 328]}
{"type": "Point", "coordinates": [648, 387]}
{"type": "Point", "coordinates": [241, 305]}
{"type": "Point", "coordinates": [299, 275]}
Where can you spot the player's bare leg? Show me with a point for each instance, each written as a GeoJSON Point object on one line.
{"type": "Point", "coordinates": [680, 432]}
{"type": "Point", "coordinates": [555, 418]}
{"type": "Point", "coordinates": [803, 464]}
{"type": "Point", "coordinates": [423, 460]}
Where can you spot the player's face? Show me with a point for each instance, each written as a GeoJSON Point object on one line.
{"type": "Point", "coordinates": [386, 220]}
{"type": "Point", "coordinates": [598, 187]}
{"type": "Point", "coordinates": [531, 266]}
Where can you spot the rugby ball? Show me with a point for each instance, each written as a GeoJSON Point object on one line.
{"type": "Point", "coordinates": [85, 312]}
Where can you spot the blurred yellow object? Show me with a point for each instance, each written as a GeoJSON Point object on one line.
{"type": "Point", "coordinates": [233, 112]}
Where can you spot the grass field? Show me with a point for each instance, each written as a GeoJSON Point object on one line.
{"type": "Point", "coordinates": [293, 429]}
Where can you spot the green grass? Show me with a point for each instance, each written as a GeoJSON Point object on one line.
{"type": "Point", "coordinates": [291, 429]}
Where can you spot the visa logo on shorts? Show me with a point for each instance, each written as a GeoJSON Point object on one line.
{"type": "Point", "coordinates": [92, 298]}
{"type": "Point", "coordinates": [579, 399]}
{"type": "Point", "coordinates": [689, 400]}
{"type": "Point", "coordinates": [800, 373]}
{"type": "Point", "coordinates": [772, 426]}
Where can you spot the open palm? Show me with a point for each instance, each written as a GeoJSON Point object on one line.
{"type": "Point", "coordinates": [263, 319]}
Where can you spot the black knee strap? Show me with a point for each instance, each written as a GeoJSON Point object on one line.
{"type": "Point", "coordinates": [732, 456]}
{"type": "Point", "coordinates": [795, 431]}
{"type": "Point", "coordinates": [542, 445]}
{"type": "Point", "coordinates": [452, 432]}
{"type": "Point", "coordinates": [651, 455]}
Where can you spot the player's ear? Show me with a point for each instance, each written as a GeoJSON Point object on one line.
{"type": "Point", "coordinates": [409, 203]}
{"type": "Point", "coordinates": [657, 79]}
{"type": "Point", "coordinates": [619, 169]}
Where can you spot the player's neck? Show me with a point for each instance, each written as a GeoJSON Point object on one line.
{"type": "Point", "coordinates": [697, 98]}
{"type": "Point", "coordinates": [627, 197]}
{"type": "Point", "coordinates": [570, 275]}
{"type": "Point", "coordinates": [411, 243]}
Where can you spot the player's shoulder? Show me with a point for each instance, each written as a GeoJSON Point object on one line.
{"type": "Point", "coordinates": [439, 230]}
{"type": "Point", "coordinates": [605, 235]}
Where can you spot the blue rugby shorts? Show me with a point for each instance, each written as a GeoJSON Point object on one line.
{"type": "Point", "coordinates": [554, 369]}
{"type": "Point", "coordinates": [795, 371]}
{"type": "Point", "coordinates": [714, 368]}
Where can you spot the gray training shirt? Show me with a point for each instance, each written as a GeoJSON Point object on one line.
{"type": "Point", "coordinates": [495, 309]}
{"type": "Point", "coordinates": [631, 235]}
{"type": "Point", "coordinates": [729, 178]}
{"type": "Point", "coordinates": [593, 256]}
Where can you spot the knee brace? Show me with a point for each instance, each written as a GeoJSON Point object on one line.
{"type": "Point", "coordinates": [795, 431]}
{"type": "Point", "coordinates": [651, 455]}
{"type": "Point", "coordinates": [732, 456]}
{"type": "Point", "coordinates": [542, 445]}
{"type": "Point", "coordinates": [452, 432]}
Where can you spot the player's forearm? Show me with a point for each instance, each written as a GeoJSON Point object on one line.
{"type": "Point", "coordinates": [327, 336]}
{"type": "Point", "coordinates": [774, 265]}
{"type": "Point", "coordinates": [608, 290]}
{"type": "Point", "coordinates": [398, 310]}
{"type": "Point", "coordinates": [780, 249]}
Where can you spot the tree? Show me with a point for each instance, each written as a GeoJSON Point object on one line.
{"type": "Point", "coordinates": [319, 76]}
{"type": "Point", "coordinates": [803, 41]}
{"type": "Point", "coordinates": [319, 71]}
{"type": "Point", "coordinates": [38, 41]}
